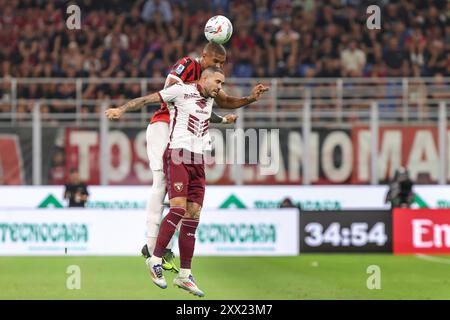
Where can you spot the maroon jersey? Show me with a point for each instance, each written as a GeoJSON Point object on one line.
{"type": "Point", "coordinates": [187, 70]}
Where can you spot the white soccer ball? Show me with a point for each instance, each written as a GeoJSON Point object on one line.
{"type": "Point", "coordinates": [218, 29]}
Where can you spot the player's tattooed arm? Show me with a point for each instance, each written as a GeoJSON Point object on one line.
{"type": "Point", "coordinates": [135, 104]}
{"type": "Point", "coordinates": [138, 103]}
{"type": "Point", "coordinates": [228, 102]}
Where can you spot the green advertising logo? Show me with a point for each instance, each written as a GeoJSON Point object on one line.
{"type": "Point", "coordinates": [50, 201]}
{"type": "Point", "coordinates": [235, 202]}
{"type": "Point", "coordinates": [116, 204]}
{"type": "Point", "coordinates": [420, 202]}
{"type": "Point", "coordinates": [237, 233]}
{"type": "Point", "coordinates": [43, 232]}
{"type": "Point", "coordinates": [232, 201]}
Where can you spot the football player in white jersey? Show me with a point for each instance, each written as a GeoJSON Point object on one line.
{"type": "Point", "coordinates": [190, 108]}
{"type": "Point", "coordinates": [185, 70]}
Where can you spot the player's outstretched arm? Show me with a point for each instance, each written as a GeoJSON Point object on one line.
{"type": "Point", "coordinates": [227, 119]}
{"type": "Point", "coordinates": [135, 104]}
{"type": "Point", "coordinates": [228, 102]}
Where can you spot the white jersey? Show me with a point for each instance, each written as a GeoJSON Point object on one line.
{"type": "Point", "coordinates": [189, 117]}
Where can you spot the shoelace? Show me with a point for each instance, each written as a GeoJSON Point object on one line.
{"type": "Point", "coordinates": [157, 268]}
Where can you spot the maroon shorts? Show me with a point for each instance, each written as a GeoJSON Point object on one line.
{"type": "Point", "coordinates": [185, 174]}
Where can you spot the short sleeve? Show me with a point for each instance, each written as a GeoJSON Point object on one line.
{"type": "Point", "coordinates": [183, 68]}
{"type": "Point", "coordinates": [171, 93]}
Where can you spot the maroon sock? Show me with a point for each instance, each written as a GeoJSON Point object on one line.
{"type": "Point", "coordinates": [186, 242]}
{"type": "Point", "coordinates": [167, 229]}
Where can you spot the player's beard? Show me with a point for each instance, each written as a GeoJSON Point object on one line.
{"type": "Point", "coordinates": [214, 93]}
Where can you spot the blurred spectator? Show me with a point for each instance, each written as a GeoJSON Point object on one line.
{"type": "Point", "coordinates": [117, 36]}
{"type": "Point", "coordinates": [287, 48]}
{"type": "Point", "coordinates": [243, 45]}
{"type": "Point", "coordinates": [157, 6]}
{"type": "Point", "coordinates": [436, 58]}
{"type": "Point", "coordinates": [76, 191]}
{"type": "Point", "coordinates": [416, 44]}
{"type": "Point", "coordinates": [395, 57]}
{"type": "Point", "coordinates": [353, 61]}
{"type": "Point", "coordinates": [72, 58]}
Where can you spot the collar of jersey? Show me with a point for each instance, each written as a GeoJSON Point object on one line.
{"type": "Point", "coordinates": [200, 89]}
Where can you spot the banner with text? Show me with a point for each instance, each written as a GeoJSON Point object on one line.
{"type": "Point", "coordinates": [226, 197]}
{"type": "Point", "coordinates": [336, 156]}
{"type": "Point", "coordinates": [415, 148]}
{"type": "Point", "coordinates": [100, 232]}
{"type": "Point", "coordinates": [248, 233]}
{"type": "Point", "coordinates": [421, 231]}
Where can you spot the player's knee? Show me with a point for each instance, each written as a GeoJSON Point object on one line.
{"type": "Point", "coordinates": [195, 215]}
{"type": "Point", "coordinates": [178, 202]}
{"type": "Point", "coordinates": [193, 211]}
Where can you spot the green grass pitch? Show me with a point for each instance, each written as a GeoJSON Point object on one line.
{"type": "Point", "coordinates": [308, 276]}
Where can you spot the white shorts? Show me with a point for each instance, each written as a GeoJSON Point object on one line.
{"type": "Point", "coordinates": [157, 139]}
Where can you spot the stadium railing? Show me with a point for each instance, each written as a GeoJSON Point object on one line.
{"type": "Point", "coordinates": [334, 101]}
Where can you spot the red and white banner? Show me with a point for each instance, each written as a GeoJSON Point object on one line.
{"type": "Point", "coordinates": [335, 156]}
{"type": "Point", "coordinates": [413, 147]}
{"type": "Point", "coordinates": [421, 231]}
{"type": "Point", "coordinates": [128, 156]}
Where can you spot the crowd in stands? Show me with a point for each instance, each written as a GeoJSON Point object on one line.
{"type": "Point", "coordinates": [272, 38]}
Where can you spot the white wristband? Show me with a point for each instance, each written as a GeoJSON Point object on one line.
{"type": "Point", "coordinates": [224, 120]}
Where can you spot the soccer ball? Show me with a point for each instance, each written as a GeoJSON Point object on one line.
{"type": "Point", "coordinates": [218, 29]}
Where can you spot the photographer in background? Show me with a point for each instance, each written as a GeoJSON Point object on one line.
{"type": "Point", "coordinates": [400, 193]}
{"type": "Point", "coordinates": [287, 203]}
{"type": "Point", "coordinates": [76, 191]}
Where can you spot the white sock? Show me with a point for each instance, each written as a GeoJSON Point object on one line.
{"type": "Point", "coordinates": [155, 260]}
{"type": "Point", "coordinates": [155, 208]}
{"type": "Point", "coordinates": [184, 273]}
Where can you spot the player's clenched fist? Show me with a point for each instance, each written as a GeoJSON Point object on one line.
{"type": "Point", "coordinates": [258, 91]}
{"type": "Point", "coordinates": [230, 118]}
{"type": "Point", "coordinates": [114, 113]}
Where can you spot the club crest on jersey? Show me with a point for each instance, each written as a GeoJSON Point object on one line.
{"type": "Point", "coordinates": [201, 103]}
{"type": "Point", "coordinates": [178, 186]}
{"type": "Point", "coordinates": [179, 69]}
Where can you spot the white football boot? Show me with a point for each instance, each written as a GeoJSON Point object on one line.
{"type": "Point", "coordinates": [156, 273]}
{"type": "Point", "coordinates": [189, 285]}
